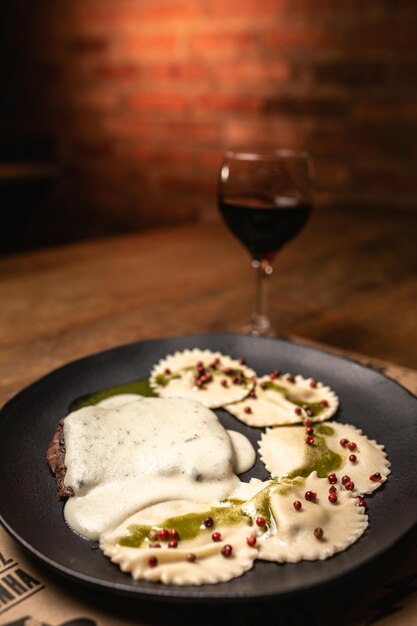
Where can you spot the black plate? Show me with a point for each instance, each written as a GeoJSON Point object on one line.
{"type": "Point", "coordinates": [28, 508]}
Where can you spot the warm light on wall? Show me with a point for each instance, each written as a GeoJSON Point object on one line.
{"type": "Point", "coordinates": [142, 98]}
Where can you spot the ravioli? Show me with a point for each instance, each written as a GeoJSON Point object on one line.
{"type": "Point", "coordinates": [284, 399]}
{"type": "Point", "coordinates": [286, 521]}
{"type": "Point", "coordinates": [301, 518]}
{"type": "Point", "coordinates": [300, 528]}
{"type": "Point", "coordinates": [285, 452]}
{"type": "Point", "coordinates": [212, 378]}
{"type": "Point", "coordinates": [196, 556]}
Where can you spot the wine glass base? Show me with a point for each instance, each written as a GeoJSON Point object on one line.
{"type": "Point", "coordinates": [259, 327]}
{"type": "Point", "coordinates": [256, 333]}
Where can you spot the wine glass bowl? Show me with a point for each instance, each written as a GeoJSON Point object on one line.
{"type": "Point", "coordinates": [265, 200]}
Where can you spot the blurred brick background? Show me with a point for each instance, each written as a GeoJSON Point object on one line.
{"type": "Point", "coordinates": [133, 101]}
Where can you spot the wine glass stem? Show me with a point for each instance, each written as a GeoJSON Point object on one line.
{"type": "Point", "coordinates": [261, 324]}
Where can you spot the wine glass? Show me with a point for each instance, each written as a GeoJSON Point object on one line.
{"type": "Point", "coordinates": [265, 199]}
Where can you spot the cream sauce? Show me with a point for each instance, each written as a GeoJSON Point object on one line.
{"type": "Point", "coordinates": [128, 453]}
{"type": "Point", "coordinates": [244, 455]}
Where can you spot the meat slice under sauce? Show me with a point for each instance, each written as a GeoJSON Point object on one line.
{"type": "Point", "coordinates": [55, 457]}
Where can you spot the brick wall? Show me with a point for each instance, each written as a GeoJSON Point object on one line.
{"type": "Point", "coordinates": [142, 96]}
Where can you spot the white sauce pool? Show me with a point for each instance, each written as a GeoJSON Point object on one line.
{"type": "Point", "coordinates": [130, 452]}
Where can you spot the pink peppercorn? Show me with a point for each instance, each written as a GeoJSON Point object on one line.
{"type": "Point", "coordinates": [163, 534]}
{"type": "Point", "coordinates": [375, 477]}
{"type": "Point", "coordinates": [227, 550]}
{"type": "Point", "coordinates": [318, 533]}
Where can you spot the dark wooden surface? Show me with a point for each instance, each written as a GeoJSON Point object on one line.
{"type": "Point", "coordinates": [349, 281]}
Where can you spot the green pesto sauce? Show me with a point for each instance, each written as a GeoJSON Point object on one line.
{"type": "Point", "coordinates": [318, 457]}
{"type": "Point", "coordinates": [286, 484]}
{"type": "Point", "coordinates": [140, 387]}
{"type": "Point", "coordinates": [233, 511]}
{"type": "Point", "coordinates": [235, 501]}
{"type": "Point", "coordinates": [262, 503]}
{"type": "Point", "coordinates": [323, 429]}
{"type": "Point", "coordinates": [188, 526]}
{"type": "Point", "coordinates": [315, 407]}
{"type": "Point", "coordinates": [164, 379]}
{"type": "Point", "coordinates": [137, 535]}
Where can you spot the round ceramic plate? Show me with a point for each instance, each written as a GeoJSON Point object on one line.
{"type": "Point", "coordinates": [29, 509]}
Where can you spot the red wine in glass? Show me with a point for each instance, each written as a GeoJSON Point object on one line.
{"type": "Point", "coordinates": [264, 199]}
{"type": "Point", "coordinates": [264, 224]}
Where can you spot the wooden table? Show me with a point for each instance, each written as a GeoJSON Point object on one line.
{"type": "Point", "coordinates": [348, 280]}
